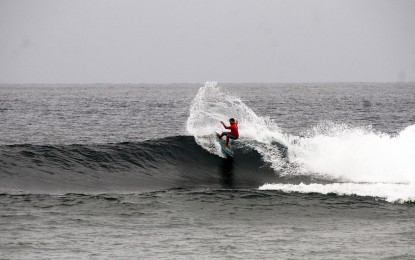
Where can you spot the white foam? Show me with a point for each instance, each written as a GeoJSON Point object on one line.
{"type": "Point", "coordinates": [388, 191]}
{"type": "Point", "coordinates": [358, 155]}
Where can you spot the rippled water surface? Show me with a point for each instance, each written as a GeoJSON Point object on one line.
{"type": "Point", "coordinates": [205, 224]}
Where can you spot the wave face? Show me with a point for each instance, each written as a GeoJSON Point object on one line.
{"type": "Point", "coordinates": [338, 153]}
{"type": "Point", "coordinates": [173, 162]}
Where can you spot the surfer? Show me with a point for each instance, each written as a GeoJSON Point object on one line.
{"type": "Point", "coordinates": [233, 134]}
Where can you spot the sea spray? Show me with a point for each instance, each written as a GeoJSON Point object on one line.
{"type": "Point", "coordinates": [212, 105]}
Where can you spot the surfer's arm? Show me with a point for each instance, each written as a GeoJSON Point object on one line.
{"type": "Point", "coordinates": [227, 127]}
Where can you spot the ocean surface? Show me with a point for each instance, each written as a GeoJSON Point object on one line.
{"type": "Point", "coordinates": [320, 171]}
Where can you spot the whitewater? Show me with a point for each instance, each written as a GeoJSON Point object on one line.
{"type": "Point", "coordinates": [355, 160]}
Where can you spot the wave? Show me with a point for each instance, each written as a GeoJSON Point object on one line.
{"type": "Point", "coordinates": [332, 151]}
{"type": "Point", "coordinates": [172, 162]}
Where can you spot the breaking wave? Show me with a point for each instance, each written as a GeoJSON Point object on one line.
{"type": "Point", "coordinates": [343, 155]}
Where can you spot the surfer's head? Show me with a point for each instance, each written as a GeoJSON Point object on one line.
{"type": "Point", "coordinates": [232, 120]}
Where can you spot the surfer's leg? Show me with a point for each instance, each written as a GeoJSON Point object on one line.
{"type": "Point", "coordinates": [223, 133]}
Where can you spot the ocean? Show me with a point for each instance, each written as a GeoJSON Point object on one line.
{"type": "Point", "coordinates": [134, 171]}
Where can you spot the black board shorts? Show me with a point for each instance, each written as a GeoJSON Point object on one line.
{"type": "Point", "coordinates": [231, 136]}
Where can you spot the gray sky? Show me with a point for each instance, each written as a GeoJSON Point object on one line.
{"type": "Point", "coordinates": [164, 41]}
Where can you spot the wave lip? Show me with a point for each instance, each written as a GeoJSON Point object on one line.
{"type": "Point", "coordinates": [390, 192]}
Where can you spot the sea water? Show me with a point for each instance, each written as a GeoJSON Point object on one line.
{"type": "Point", "coordinates": [321, 171]}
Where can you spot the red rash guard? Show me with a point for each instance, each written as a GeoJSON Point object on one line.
{"type": "Point", "coordinates": [234, 129]}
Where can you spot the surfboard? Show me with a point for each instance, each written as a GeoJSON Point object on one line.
{"type": "Point", "coordinates": [226, 150]}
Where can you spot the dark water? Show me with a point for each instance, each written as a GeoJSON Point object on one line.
{"type": "Point", "coordinates": [105, 171]}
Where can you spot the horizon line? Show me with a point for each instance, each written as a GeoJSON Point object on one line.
{"type": "Point", "coordinates": [192, 83]}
